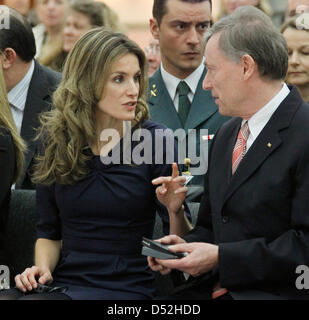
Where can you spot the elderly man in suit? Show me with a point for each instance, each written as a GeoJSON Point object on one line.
{"type": "Point", "coordinates": [252, 232]}
{"type": "Point", "coordinates": [29, 85]}
{"type": "Point", "coordinates": [180, 26]}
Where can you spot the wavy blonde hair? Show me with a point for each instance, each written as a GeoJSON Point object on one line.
{"type": "Point", "coordinates": [69, 128]}
{"type": "Point", "coordinates": [7, 121]}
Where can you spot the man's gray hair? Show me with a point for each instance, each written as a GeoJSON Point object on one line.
{"type": "Point", "coordinates": [250, 31]}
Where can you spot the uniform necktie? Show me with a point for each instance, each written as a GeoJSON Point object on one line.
{"type": "Point", "coordinates": [240, 146]}
{"type": "Point", "coordinates": [184, 102]}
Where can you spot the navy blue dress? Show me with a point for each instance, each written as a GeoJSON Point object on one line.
{"type": "Point", "coordinates": [101, 221]}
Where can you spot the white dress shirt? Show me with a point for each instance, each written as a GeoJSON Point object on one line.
{"type": "Point", "coordinates": [172, 82]}
{"type": "Point", "coordinates": [259, 120]}
{"type": "Point", "coordinates": [17, 97]}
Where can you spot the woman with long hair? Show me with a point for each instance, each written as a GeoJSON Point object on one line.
{"type": "Point", "coordinates": [48, 33]}
{"type": "Point", "coordinates": [82, 16]}
{"type": "Point", "coordinates": [95, 198]}
{"type": "Point", "coordinates": [11, 157]}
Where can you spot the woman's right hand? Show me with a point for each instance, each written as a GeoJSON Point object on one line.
{"type": "Point", "coordinates": [27, 280]}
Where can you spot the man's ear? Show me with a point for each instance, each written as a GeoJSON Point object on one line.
{"type": "Point", "coordinates": [248, 65]}
{"type": "Point", "coordinates": [9, 57]}
{"type": "Point", "coordinates": [154, 28]}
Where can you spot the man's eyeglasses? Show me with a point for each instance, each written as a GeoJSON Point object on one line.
{"type": "Point", "coordinates": [152, 49]}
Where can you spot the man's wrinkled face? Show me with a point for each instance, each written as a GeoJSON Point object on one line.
{"type": "Point", "coordinates": [224, 78]}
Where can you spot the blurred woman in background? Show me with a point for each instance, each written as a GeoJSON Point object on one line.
{"type": "Point", "coordinates": [298, 45]}
{"type": "Point", "coordinates": [82, 16]}
{"type": "Point", "coordinates": [48, 33]}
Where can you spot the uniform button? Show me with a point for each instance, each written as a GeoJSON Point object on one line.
{"type": "Point", "coordinates": [225, 219]}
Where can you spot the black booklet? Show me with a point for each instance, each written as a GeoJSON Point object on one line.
{"type": "Point", "coordinates": [157, 250]}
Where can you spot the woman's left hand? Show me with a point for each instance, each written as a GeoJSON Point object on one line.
{"type": "Point", "coordinates": [171, 191]}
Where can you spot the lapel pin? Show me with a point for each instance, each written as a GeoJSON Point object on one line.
{"type": "Point", "coordinates": [269, 145]}
{"type": "Point", "coordinates": [154, 90]}
{"type": "Point", "coordinates": [186, 173]}
{"type": "Point", "coordinates": [187, 163]}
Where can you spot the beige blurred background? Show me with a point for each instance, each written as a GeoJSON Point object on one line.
{"type": "Point", "coordinates": [134, 15]}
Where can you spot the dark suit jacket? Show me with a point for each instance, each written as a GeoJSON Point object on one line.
{"type": "Point", "coordinates": [7, 169]}
{"type": "Point", "coordinates": [203, 112]}
{"type": "Point", "coordinates": [43, 83]}
{"type": "Point", "coordinates": [260, 215]}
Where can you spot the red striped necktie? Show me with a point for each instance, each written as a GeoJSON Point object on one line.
{"type": "Point", "coordinates": [240, 146]}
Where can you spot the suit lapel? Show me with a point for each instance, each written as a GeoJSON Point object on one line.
{"type": "Point", "coordinates": [263, 147]}
{"type": "Point", "coordinates": [161, 103]}
{"type": "Point", "coordinates": [223, 160]}
{"type": "Point", "coordinates": [36, 102]}
{"type": "Point", "coordinates": [203, 106]}
{"type": "Point", "coordinates": [265, 144]}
